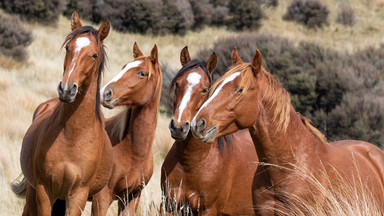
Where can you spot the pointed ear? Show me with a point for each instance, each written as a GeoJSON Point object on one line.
{"type": "Point", "coordinates": [154, 54]}
{"type": "Point", "coordinates": [136, 51]}
{"type": "Point", "coordinates": [75, 21]}
{"type": "Point", "coordinates": [211, 63]}
{"type": "Point", "coordinates": [235, 57]}
{"type": "Point", "coordinates": [104, 30]}
{"type": "Point", "coordinates": [184, 56]}
{"type": "Point", "coordinates": [256, 62]}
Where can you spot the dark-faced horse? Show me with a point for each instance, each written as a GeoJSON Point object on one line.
{"type": "Point", "coordinates": [137, 88]}
{"type": "Point", "coordinates": [212, 179]}
{"type": "Point", "coordinates": [248, 96]}
{"type": "Point", "coordinates": [66, 153]}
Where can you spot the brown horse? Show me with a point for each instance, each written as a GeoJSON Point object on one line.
{"type": "Point", "coordinates": [66, 153]}
{"type": "Point", "coordinates": [248, 96]}
{"type": "Point", "coordinates": [212, 179]}
{"type": "Point", "coordinates": [137, 87]}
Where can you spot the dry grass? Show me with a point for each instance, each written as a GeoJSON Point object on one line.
{"type": "Point", "coordinates": [24, 86]}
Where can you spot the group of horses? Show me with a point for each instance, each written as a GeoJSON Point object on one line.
{"type": "Point", "coordinates": [238, 141]}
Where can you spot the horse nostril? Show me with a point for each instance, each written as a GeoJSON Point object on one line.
{"type": "Point", "coordinates": [201, 125]}
{"type": "Point", "coordinates": [108, 95]}
{"type": "Point", "coordinates": [60, 87]}
{"type": "Point", "coordinates": [185, 127]}
{"type": "Point", "coordinates": [73, 90]}
{"type": "Point", "coordinates": [172, 125]}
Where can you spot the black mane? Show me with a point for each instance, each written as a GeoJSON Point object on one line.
{"type": "Point", "coordinates": [195, 63]}
{"type": "Point", "coordinates": [94, 32]}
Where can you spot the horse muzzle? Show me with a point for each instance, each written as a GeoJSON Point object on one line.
{"type": "Point", "coordinates": [206, 136]}
{"type": "Point", "coordinates": [179, 133]}
{"type": "Point", "coordinates": [67, 95]}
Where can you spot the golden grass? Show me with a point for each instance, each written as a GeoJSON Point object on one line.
{"type": "Point", "coordinates": [23, 86]}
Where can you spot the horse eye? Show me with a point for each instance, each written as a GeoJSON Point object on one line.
{"type": "Point", "coordinates": [176, 85]}
{"type": "Point", "coordinates": [141, 74]}
{"type": "Point", "coordinates": [66, 48]}
{"type": "Point", "coordinates": [95, 56]}
{"type": "Point", "coordinates": [239, 89]}
{"type": "Point", "coordinates": [204, 90]}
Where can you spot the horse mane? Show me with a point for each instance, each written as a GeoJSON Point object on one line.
{"type": "Point", "coordinates": [103, 57]}
{"type": "Point", "coordinates": [123, 118]}
{"type": "Point", "coordinates": [195, 63]}
{"type": "Point", "coordinates": [274, 94]}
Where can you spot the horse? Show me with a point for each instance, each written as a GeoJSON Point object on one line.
{"type": "Point", "coordinates": [66, 153]}
{"type": "Point", "coordinates": [192, 173]}
{"type": "Point", "coordinates": [248, 96]}
{"type": "Point", "coordinates": [137, 88]}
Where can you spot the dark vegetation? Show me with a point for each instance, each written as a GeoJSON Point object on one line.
{"type": "Point", "coordinates": [14, 39]}
{"type": "Point", "coordinates": [342, 93]}
{"type": "Point", "coordinates": [44, 11]}
{"type": "Point", "coordinates": [311, 13]}
{"type": "Point", "coordinates": [346, 15]}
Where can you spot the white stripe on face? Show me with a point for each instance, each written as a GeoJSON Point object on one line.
{"type": "Point", "coordinates": [119, 75]}
{"type": "Point", "coordinates": [81, 42]}
{"type": "Point", "coordinates": [227, 80]}
{"type": "Point", "coordinates": [193, 79]}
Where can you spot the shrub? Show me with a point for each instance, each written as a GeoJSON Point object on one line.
{"type": "Point", "coordinates": [246, 15]}
{"type": "Point", "coordinates": [312, 13]}
{"type": "Point", "coordinates": [202, 10]}
{"type": "Point", "coordinates": [14, 39]}
{"type": "Point", "coordinates": [358, 117]}
{"type": "Point", "coordinates": [44, 11]}
{"type": "Point", "coordinates": [137, 16]}
{"type": "Point", "coordinates": [166, 100]}
{"type": "Point", "coordinates": [346, 16]}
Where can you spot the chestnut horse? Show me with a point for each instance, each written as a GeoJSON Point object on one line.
{"type": "Point", "coordinates": [66, 153]}
{"type": "Point", "coordinates": [248, 96]}
{"type": "Point", "coordinates": [137, 87]}
{"type": "Point", "coordinates": [212, 179]}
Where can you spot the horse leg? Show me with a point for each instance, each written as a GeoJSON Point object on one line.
{"type": "Point", "coordinates": [43, 203]}
{"type": "Point", "coordinates": [76, 201]}
{"type": "Point", "coordinates": [101, 202]}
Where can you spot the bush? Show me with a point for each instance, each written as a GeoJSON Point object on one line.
{"type": "Point", "coordinates": [358, 117]}
{"type": "Point", "coordinates": [14, 39]}
{"type": "Point", "coordinates": [346, 16]}
{"type": "Point", "coordinates": [246, 15]}
{"type": "Point", "coordinates": [166, 100]}
{"type": "Point", "coordinates": [312, 13]}
{"type": "Point", "coordinates": [44, 11]}
{"type": "Point", "coordinates": [202, 10]}
{"type": "Point", "coordinates": [137, 16]}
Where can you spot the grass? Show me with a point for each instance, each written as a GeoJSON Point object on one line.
{"type": "Point", "coordinates": [23, 86]}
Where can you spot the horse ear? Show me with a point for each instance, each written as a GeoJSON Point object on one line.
{"type": "Point", "coordinates": [154, 54]}
{"type": "Point", "coordinates": [75, 21]}
{"type": "Point", "coordinates": [104, 29]}
{"type": "Point", "coordinates": [235, 57]}
{"type": "Point", "coordinates": [136, 51]}
{"type": "Point", "coordinates": [184, 56]}
{"type": "Point", "coordinates": [256, 62]}
{"type": "Point", "coordinates": [211, 63]}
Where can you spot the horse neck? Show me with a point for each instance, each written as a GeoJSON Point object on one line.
{"type": "Point", "coordinates": [192, 151]}
{"type": "Point", "coordinates": [296, 144]}
{"type": "Point", "coordinates": [142, 126]}
{"type": "Point", "coordinates": [77, 116]}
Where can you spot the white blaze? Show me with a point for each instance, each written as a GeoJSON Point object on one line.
{"type": "Point", "coordinates": [81, 42]}
{"type": "Point", "coordinates": [227, 80]}
{"type": "Point", "coordinates": [193, 79]}
{"type": "Point", "coordinates": [121, 73]}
